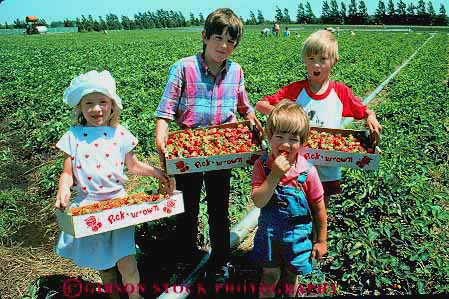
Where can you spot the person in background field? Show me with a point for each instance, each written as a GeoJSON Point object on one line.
{"type": "Point", "coordinates": [265, 32]}
{"type": "Point", "coordinates": [287, 189]}
{"type": "Point", "coordinates": [204, 90]}
{"type": "Point", "coordinates": [276, 28]}
{"type": "Point", "coordinates": [286, 32]}
{"type": "Point", "coordinates": [96, 149]}
{"type": "Point", "coordinates": [325, 101]}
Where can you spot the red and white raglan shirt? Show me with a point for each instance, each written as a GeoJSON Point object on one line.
{"type": "Point", "coordinates": [324, 110]}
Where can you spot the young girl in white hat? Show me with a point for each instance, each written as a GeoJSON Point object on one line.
{"type": "Point", "coordinates": [97, 148]}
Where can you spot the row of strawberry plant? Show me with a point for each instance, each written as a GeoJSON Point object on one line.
{"type": "Point", "coordinates": [36, 70]}
{"type": "Point", "coordinates": [389, 229]}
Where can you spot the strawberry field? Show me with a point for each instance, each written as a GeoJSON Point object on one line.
{"type": "Point", "coordinates": [388, 230]}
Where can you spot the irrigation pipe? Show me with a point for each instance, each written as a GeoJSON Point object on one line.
{"type": "Point", "coordinates": [241, 230]}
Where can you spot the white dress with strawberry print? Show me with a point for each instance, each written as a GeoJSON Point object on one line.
{"type": "Point", "coordinates": [98, 158]}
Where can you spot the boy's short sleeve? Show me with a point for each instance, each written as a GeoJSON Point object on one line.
{"type": "Point", "coordinates": [258, 174]}
{"type": "Point", "coordinates": [173, 89]}
{"type": "Point", "coordinates": [286, 92]}
{"type": "Point", "coordinates": [314, 188]}
{"type": "Point", "coordinates": [67, 143]}
{"type": "Point", "coordinates": [128, 140]}
{"type": "Point", "coordinates": [352, 105]}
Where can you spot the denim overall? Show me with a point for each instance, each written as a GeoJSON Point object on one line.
{"type": "Point", "coordinates": [284, 234]}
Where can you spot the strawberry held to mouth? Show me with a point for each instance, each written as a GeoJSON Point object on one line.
{"type": "Point", "coordinates": [283, 153]}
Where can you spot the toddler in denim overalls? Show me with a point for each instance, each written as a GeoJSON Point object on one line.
{"type": "Point", "coordinates": [288, 191]}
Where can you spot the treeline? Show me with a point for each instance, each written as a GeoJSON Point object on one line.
{"type": "Point", "coordinates": [18, 24]}
{"type": "Point", "coordinates": [356, 13]}
{"type": "Point", "coordinates": [159, 19]}
{"type": "Point", "coordinates": [146, 20]}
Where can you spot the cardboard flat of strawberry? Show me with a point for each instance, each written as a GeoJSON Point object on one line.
{"type": "Point", "coordinates": [341, 148]}
{"type": "Point", "coordinates": [117, 202]}
{"type": "Point", "coordinates": [213, 148]}
{"type": "Point", "coordinates": [118, 213]}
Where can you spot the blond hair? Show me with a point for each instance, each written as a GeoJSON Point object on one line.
{"type": "Point", "coordinates": [319, 43]}
{"type": "Point", "coordinates": [114, 119]}
{"type": "Point", "coordinates": [289, 117]}
{"type": "Point", "coordinates": [224, 19]}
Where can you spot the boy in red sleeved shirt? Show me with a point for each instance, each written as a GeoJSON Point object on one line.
{"type": "Point", "coordinates": [325, 101]}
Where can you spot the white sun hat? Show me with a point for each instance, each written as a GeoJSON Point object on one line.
{"type": "Point", "coordinates": [90, 82]}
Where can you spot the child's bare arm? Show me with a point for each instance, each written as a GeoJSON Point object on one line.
{"type": "Point", "coordinates": [373, 125]}
{"type": "Point", "coordinates": [320, 218]}
{"type": "Point", "coordinates": [262, 194]}
{"type": "Point", "coordinates": [264, 107]}
{"type": "Point", "coordinates": [137, 167]}
{"type": "Point", "coordinates": [253, 118]}
{"type": "Point", "coordinates": [65, 182]}
{"type": "Point", "coordinates": [161, 138]}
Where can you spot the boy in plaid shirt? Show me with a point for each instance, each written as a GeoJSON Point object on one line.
{"type": "Point", "coordinates": [204, 90]}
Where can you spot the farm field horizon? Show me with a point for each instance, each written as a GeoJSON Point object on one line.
{"type": "Point", "coordinates": [388, 229]}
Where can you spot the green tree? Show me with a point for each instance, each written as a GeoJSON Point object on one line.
{"type": "Point", "coordinates": [343, 15]}
{"type": "Point", "coordinates": [411, 15]}
{"type": "Point", "coordinates": [252, 18]}
{"type": "Point", "coordinates": [113, 22]}
{"type": "Point", "coordinates": [260, 18]}
{"type": "Point", "coordinates": [431, 13]}
{"type": "Point", "coordinates": [278, 16]}
{"type": "Point", "coordinates": [300, 14]}
{"type": "Point", "coordinates": [193, 20]}
{"type": "Point", "coordinates": [18, 24]}
{"type": "Point", "coordinates": [310, 16]}
{"type": "Point", "coordinates": [69, 23]}
{"type": "Point", "coordinates": [363, 13]}
{"type": "Point", "coordinates": [96, 26]}
{"type": "Point", "coordinates": [286, 18]}
{"type": "Point", "coordinates": [325, 13]}
{"type": "Point", "coordinates": [391, 12]}
{"type": "Point", "coordinates": [127, 23]}
{"type": "Point", "coordinates": [334, 13]}
{"type": "Point", "coordinates": [182, 19]}
{"type": "Point", "coordinates": [421, 14]}
{"type": "Point", "coordinates": [103, 25]}
{"type": "Point", "coordinates": [201, 19]}
{"type": "Point", "coordinates": [442, 19]}
{"type": "Point", "coordinates": [55, 24]}
{"type": "Point", "coordinates": [402, 12]}
{"type": "Point", "coordinates": [352, 12]}
{"type": "Point", "coordinates": [380, 15]}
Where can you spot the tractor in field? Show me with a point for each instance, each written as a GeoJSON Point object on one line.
{"type": "Point", "coordinates": [32, 26]}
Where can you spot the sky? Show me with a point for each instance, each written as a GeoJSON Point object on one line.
{"type": "Point", "coordinates": [58, 10]}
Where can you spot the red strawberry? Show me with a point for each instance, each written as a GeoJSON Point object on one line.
{"type": "Point", "coordinates": [283, 153]}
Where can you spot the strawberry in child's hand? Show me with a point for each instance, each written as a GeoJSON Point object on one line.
{"type": "Point", "coordinates": [283, 153]}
